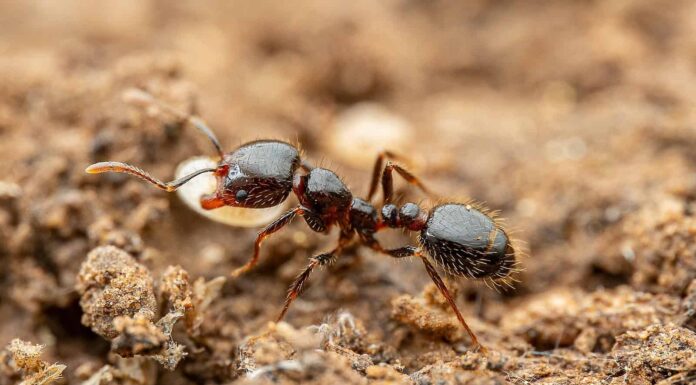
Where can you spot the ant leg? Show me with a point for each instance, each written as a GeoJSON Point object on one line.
{"type": "Point", "coordinates": [409, 251]}
{"type": "Point", "coordinates": [268, 230]}
{"type": "Point", "coordinates": [138, 96]}
{"type": "Point", "coordinates": [401, 252]}
{"type": "Point", "coordinates": [377, 171]}
{"type": "Point", "coordinates": [101, 167]}
{"type": "Point", "coordinates": [445, 292]}
{"type": "Point", "coordinates": [388, 180]}
{"type": "Point", "coordinates": [315, 222]}
{"type": "Point", "coordinates": [298, 284]}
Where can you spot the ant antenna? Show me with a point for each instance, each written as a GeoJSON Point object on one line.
{"type": "Point", "coordinates": [140, 97]}
{"type": "Point", "coordinates": [101, 167]}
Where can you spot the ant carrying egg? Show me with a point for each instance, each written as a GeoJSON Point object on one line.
{"type": "Point", "coordinates": [462, 238]}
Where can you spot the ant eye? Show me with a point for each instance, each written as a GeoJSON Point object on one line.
{"type": "Point", "coordinates": [241, 195]}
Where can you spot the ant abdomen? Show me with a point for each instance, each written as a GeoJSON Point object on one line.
{"type": "Point", "coordinates": [466, 241]}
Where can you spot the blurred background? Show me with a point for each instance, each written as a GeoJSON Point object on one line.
{"type": "Point", "coordinates": [576, 119]}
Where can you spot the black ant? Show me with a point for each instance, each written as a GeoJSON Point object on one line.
{"type": "Point", "coordinates": [461, 238]}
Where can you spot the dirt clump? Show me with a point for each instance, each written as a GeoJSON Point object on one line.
{"type": "Point", "coordinates": [589, 322]}
{"type": "Point", "coordinates": [663, 245]}
{"type": "Point", "coordinates": [136, 336]}
{"type": "Point", "coordinates": [119, 302]}
{"type": "Point", "coordinates": [190, 299]}
{"type": "Point", "coordinates": [656, 353]}
{"type": "Point", "coordinates": [113, 284]}
{"type": "Point", "coordinates": [25, 357]}
{"type": "Point", "coordinates": [285, 355]}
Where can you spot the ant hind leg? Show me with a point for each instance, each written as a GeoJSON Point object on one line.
{"type": "Point", "coordinates": [410, 251]}
{"type": "Point", "coordinates": [446, 293]}
{"type": "Point", "coordinates": [377, 171]}
{"type": "Point", "coordinates": [388, 180]}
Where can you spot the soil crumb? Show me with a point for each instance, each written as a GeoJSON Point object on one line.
{"type": "Point", "coordinates": [113, 284]}
{"type": "Point", "coordinates": [25, 357]}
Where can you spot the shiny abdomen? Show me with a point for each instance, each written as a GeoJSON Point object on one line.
{"type": "Point", "coordinates": [467, 242]}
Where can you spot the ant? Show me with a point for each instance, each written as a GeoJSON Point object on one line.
{"type": "Point", "coordinates": [462, 238]}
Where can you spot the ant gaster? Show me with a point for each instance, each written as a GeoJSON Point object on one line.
{"type": "Point", "coordinates": [461, 238]}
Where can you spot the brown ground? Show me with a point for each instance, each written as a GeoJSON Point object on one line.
{"type": "Point", "coordinates": [575, 118]}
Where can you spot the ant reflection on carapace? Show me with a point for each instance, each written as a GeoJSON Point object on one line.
{"type": "Point", "coordinates": [464, 239]}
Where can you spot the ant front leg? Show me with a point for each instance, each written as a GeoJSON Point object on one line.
{"type": "Point", "coordinates": [318, 260]}
{"type": "Point", "coordinates": [276, 225]}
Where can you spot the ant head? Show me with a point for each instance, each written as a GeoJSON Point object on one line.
{"type": "Point", "coordinates": [257, 175]}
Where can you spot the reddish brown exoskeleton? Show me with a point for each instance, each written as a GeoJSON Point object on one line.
{"type": "Point", "coordinates": [461, 238]}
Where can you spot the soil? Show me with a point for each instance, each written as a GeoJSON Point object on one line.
{"type": "Point", "coordinates": [575, 119]}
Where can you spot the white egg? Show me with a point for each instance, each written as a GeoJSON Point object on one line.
{"type": "Point", "coordinates": [203, 184]}
{"type": "Point", "coordinates": [362, 131]}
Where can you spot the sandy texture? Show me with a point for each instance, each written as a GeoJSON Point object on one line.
{"type": "Point", "coordinates": [575, 119]}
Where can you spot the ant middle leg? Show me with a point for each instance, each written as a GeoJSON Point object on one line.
{"type": "Point", "coordinates": [274, 226]}
{"type": "Point", "coordinates": [318, 260]}
{"type": "Point", "coordinates": [400, 252]}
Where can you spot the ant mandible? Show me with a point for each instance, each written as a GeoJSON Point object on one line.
{"type": "Point", "coordinates": [462, 238]}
